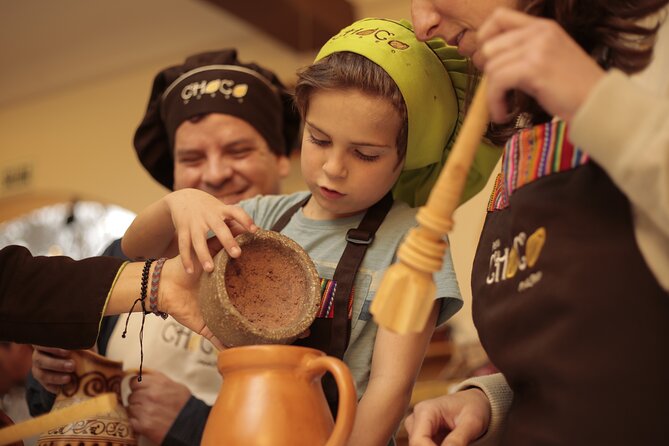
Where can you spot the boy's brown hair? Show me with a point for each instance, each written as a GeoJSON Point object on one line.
{"type": "Point", "coordinates": [346, 70]}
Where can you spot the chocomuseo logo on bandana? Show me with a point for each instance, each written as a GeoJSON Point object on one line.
{"type": "Point", "coordinates": [226, 87]}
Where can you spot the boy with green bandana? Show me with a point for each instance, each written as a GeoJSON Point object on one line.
{"type": "Point", "coordinates": [380, 116]}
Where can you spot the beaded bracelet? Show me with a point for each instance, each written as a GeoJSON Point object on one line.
{"type": "Point", "coordinates": [145, 283]}
{"type": "Point", "coordinates": [142, 301]}
{"type": "Point", "coordinates": [155, 280]}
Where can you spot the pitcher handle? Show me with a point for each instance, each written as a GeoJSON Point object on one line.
{"type": "Point", "coordinates": [347, 396]}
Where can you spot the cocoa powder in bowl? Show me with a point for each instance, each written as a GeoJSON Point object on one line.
{"type": "Point", "coordinates": [268, 295]}
{"type": "Point", "coordinates": [265, 288]}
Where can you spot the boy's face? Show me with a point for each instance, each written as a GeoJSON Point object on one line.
{"type": "Point", "coordinates": [226, 157]}
{"type": "Point", "coordinates": [349, 152]}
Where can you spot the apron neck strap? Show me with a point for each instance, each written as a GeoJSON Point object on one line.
{"type": "Point", "coordinates": [285, 218]}
{"type": "Point", "coordinates": [358, 240]}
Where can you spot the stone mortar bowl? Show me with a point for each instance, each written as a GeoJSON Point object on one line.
{"type": "Point", "coordinates": [270, 294]}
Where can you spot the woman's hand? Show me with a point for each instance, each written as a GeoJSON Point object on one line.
{"type": "Point", "coordinates": [450, 420]}
{"type": "Point", "coordinates": [178, 296]}
{"type": "Point", "coordinates": [538, 57]}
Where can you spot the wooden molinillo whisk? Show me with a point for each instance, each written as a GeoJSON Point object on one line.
{"type": "Point", "coordinates": [406, 295]}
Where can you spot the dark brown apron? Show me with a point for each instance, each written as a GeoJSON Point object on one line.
{"type": "Point", "coordinates": [568, 310]}
{"type": "Point", "coordinates": [331, 335]}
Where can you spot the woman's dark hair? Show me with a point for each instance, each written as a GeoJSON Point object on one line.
{"type": "Point", "coordinates": [613, 32]}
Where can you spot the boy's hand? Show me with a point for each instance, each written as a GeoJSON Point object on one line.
{"type": "Point", "coordinates": [194, 213]}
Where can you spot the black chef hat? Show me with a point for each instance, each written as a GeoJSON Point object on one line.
{"type": "Point", "coordinates": [213, 82]}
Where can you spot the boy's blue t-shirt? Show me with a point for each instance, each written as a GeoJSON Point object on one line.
{"type": "Point", "coordinates": [325, 240]}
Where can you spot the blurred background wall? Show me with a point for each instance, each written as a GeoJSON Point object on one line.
{"type": "Point", "coordinates": [76, 76]}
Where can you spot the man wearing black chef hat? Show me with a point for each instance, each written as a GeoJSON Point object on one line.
{"type": "Point", "coordinates": [222, 126]}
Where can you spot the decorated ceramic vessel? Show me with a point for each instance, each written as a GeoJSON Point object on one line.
{"type": "Point", "coordinates": [94, 375]}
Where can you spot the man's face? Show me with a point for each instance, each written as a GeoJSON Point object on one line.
{"type": "Point", "coordinates": [226, 157]}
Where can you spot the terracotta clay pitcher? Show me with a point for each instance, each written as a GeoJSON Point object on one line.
{"type": "Point", "coordinates": [272, 395]}
{"type": "Point", "coordinates": [93, 375]}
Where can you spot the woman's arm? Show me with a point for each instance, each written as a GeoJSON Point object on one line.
{"type": "Point", "coordinates": [54, 301]}
{"type": "Point", "coordinates": [395, 366]}
{"type": "Point", "coordinates": [58, 302]}
{"type": "Point", "coordinates": [177, 294]}
{"type": "Point", "coordinates": [625, 128]}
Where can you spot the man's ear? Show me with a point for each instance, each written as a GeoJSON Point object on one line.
{"type": "Point", "coordinates": [283, 166]}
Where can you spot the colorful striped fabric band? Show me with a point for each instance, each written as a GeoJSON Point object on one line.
{"type": "Point", "coordinates": [531, 154]}
{"type": "Point", "coordinates": [326, 310]}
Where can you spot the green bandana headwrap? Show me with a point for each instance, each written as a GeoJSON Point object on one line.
{"type": "Point", "coordinates": [433, 80]}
